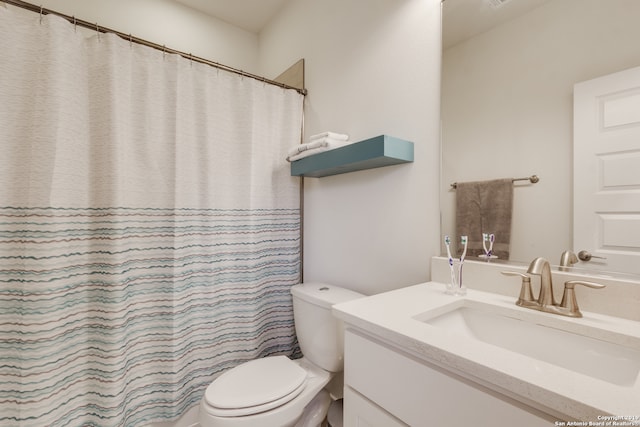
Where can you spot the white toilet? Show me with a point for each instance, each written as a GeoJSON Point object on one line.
{"type": "Point", "coordinates": [276, 391]}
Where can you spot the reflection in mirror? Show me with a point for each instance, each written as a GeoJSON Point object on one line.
{"type": "Point", "coordinates": [507, 103]}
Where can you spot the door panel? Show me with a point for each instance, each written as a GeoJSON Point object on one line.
{"type": "Point", "coordinates": [607, 170]}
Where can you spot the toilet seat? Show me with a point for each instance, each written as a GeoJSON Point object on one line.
{"type": "Point", "coordinates": [255, 386]}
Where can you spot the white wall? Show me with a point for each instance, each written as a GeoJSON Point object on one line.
{"type": "Point", "coordinates": [169, 23]}
{"type": "Point", "coordinates": [372, 68]}
{"type": "Point", "coordinates": [508, 109]}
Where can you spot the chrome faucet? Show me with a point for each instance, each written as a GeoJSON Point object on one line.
{"type": "Point", "coordinates": [546, 301]}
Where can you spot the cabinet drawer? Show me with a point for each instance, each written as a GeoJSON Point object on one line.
{"type": "Point", "coordinates": [423, 395]}
{"type": "Point", "coordinates": [360, 412]}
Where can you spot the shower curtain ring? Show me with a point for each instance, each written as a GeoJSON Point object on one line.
{"type": "Point", "coordinates": [164, 52]}
{"type": "Point", "coordinates": [75, 27]}
{"type": "Point", "coordinates": [98, 31]}
{"type": "Point", "coordinates": [130, 40]}
{"type": "Point", "coordinates": [41, 14]}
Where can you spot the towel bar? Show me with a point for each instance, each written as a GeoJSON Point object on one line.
{"type": "Point", "coordinates": [533, 179]}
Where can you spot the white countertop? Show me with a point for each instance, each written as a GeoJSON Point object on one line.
{"type": "Point", "coordinates": [558, 391]}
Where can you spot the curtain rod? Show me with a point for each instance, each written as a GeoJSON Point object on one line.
{"type": "Point", "coordinates": [533, 179]}
{"type": "Point", "coordinates": [130, 38]}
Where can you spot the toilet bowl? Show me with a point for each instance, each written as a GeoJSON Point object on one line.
{"type": "Point", "coordinates": [276, 391]}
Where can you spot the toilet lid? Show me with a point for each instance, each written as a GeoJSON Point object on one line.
{"type": "Point", "coordinates": [256, 386]}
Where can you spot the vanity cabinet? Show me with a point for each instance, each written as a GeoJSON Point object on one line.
{"type": "Point", "coordinates": [385, 386]}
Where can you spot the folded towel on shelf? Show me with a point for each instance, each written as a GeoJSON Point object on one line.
{"type": "Point", "coordinates": [333, 135]}
{"type": "Point", "coordinates": [310, 148]}
{"type": "Point", "coordinates": [322, 142]}
{"type": "Point", "coordinates": [318, 143]}
{"type": "Point", "coordinates": [485, 207]}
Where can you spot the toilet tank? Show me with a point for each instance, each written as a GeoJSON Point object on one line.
{"type": "Point", "coordinates": [320, 334]}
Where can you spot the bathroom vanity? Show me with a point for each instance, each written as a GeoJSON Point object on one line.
{"type": "Point", "coordinates": [419, 357]}
{"type": "Point", "coordinates": [420, 393]}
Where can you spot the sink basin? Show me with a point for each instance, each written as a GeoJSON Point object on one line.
{"type": "Point", "coordinates": [553, 342]}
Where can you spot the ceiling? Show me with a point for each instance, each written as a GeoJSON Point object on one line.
{"type": "Point", "coordinates": [462, 18]}
{"type": "Point", "coordinates": [250, 15]}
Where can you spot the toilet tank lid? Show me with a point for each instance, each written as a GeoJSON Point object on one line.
{"type": "Point", "coordinates": [323, 295]}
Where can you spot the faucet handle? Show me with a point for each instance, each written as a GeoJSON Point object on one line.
{"type": "Point", "coordinates": [569, 300]}
{"type": "Point", "coordinates": [572, 283]}
{"type": "Point", "coordinates": [526, 295]}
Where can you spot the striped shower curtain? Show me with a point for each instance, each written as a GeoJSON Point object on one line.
{"type": "Point", "coordinates": [149, 228]}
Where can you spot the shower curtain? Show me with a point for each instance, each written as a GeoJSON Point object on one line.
{"type": "Point", "coordinates": [149, 227]}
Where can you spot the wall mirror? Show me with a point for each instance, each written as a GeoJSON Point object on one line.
{"type": "Point", "coordinates": [509, 67]}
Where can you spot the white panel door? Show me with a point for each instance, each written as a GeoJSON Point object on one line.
{"type": "Point", "coordinates": [607, 171]}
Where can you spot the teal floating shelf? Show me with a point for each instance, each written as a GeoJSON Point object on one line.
{"type": "Point", "coordinates": [371, 153]}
